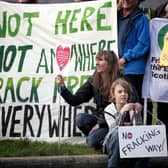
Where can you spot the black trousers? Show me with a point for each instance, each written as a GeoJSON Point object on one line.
{"type": "Point", "coordinates": [162, 112]}
{"type": "Point", "coordinates": [136, 81]}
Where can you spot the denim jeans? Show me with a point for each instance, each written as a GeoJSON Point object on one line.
{"type": "Point", "coordinates": [85, 122]}
{"type": "Point", "coordinates": [112, 147]}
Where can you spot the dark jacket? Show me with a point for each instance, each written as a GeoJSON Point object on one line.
{"type": "Point", "coordinates": [84, 94]}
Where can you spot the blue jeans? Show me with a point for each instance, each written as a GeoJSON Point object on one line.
{"type": "Point", "coordinates": [112, 147]}
{"type": "Point", "coordinates": [85, 122]}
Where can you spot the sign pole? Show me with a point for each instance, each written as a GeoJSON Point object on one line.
{"type": "Point", "coordinates": [145, 112]}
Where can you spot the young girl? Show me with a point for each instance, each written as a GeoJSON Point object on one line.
{"type": "Point", "coordinates": [120, 111]}
{"type": "Point", "coordinates": [115, 115]}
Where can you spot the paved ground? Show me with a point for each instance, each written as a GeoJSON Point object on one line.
{"type": "Point", "coordinates": [84, 161]}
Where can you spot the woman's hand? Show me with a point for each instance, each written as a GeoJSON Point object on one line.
{"type": "Point", "coordinates": [94, 128]}
{"type": "Point", "coordinates": [60, 80]}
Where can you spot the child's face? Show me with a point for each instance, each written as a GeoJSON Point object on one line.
{"type": "Point", "coordinates": [120, 95]}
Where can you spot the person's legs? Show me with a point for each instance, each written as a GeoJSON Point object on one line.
{"type": "Point", "coordinates": [136, 81]}
{"type": "Point", "coordinates": [163, 114]}
{"type": "Point", "coordinates": [149, 112]}
{"type": "Point", "coordinates": [137, 162]}
{"type": "Point", "coordinates": [96, 138]}
{"type": "Point", "coordinates": [85, 122]}
{"type": "Point", "coordinates": [141, 162]}
{"type": "Point", "coordinates": [112, 147]}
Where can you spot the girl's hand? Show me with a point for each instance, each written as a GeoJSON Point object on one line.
{"type": "Point", "coordinates": [126, 108]}
{"type": "Point", "coordinates": [60, 80]}
{"type": "Point", "coordinates": [137, 107]}
{"type": "Point", "coordinates": [131, 106]}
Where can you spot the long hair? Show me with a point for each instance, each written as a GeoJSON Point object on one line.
{"type": "Point", "coordinates": [103, 81]}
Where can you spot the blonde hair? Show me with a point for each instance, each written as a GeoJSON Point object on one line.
{"type": "Point", "coordinates": [122, 82]}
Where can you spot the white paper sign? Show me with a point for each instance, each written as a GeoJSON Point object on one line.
{"type": "Point", "coordinates": [142, 141]}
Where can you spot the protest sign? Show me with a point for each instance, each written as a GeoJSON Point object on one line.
{"type": "Point", "coordinates": [37, 42]}
{"type": "Point", "coordinates": [142, 141]}
{"type": "Point", "coordinates": [156, 75]}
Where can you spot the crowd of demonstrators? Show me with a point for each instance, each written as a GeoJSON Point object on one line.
{"type": "Point", "coordinates": [120, 113]}
{"type": "Point", "coordinates": [94, 126]}
{"type": "Point", "coordinates": [133, 46]}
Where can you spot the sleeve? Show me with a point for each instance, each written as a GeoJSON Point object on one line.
{"type": "Point", "coordinates": [109, 114]}
{"type": "Point", "coordinates": [143, 41]}
{"type": "Point", "coordinates": [83, 94]}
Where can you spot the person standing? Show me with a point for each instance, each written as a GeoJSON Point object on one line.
{"type": "Point", "coordinates": [133, 42]}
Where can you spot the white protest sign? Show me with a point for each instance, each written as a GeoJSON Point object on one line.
{"type": "Point", "coordinates": [142, 141]}
{"type": "Point", "coordinates": [156, 77]}
{"type": "Point", "coordinates": [37, 42]}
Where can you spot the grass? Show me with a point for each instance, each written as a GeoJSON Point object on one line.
{"type": "Point", "coordinates": [154, 118]}
{"type": "Point", "coordinates": [25, 147]}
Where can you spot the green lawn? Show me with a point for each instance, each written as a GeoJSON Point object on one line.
{"type": "Point", "coordinates": [13, 148]}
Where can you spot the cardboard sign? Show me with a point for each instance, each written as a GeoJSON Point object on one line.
{"type": "Point", "coordinates": [142, 141]}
